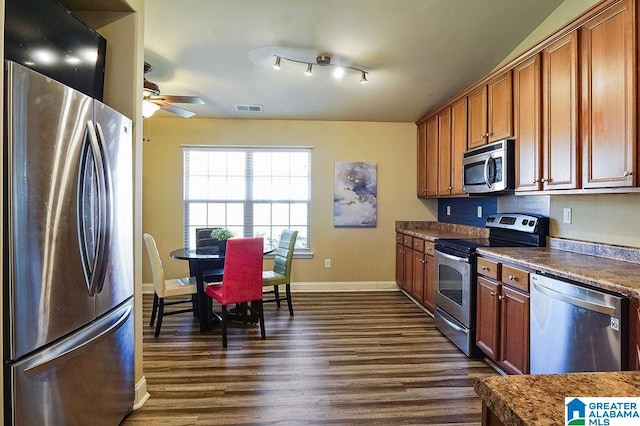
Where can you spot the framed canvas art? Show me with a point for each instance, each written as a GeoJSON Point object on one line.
{"type": "Point", "coordinates": [355, 195]}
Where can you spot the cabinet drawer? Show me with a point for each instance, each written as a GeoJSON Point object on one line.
{"type": "Point", "coordinates": [429, 248]}
{"type": "Point", "coordinates": [408, 240]}
{"type": "Point", "coordinates": [418, 244]}
{"type": "Point", "coordinates": [488, 268]}
{"type": "Point", "coordinates": [515, 277]}
{"type": "Point", "coordinates": [399, 238]}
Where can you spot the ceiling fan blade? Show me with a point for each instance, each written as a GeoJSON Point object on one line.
{"type": "Point", "coordinates": [174, 99]}
{"type": "Point", "coordinates": [176, 110]}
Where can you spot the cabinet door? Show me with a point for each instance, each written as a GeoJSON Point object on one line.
{"type": "Point", "coordinates": [400, 265]}
{"type": "Point", "coordinates": [407, 282]}
{"type": "Point", "coordinates": [634, 334]}
{"type": "Point", "coordinates": [607, 55]}
{"type": "Point", "coordinates": [560, 112]}
{"type": "Point", "coordinates": [418, 276]}
{"type": "Point", "coordinates": [421, 185]}
{"type": "Point", "coordinates": [526, 112]}
{"type": "Point", "coordinates": [432, 156]}
{"type": "Point", "coordinates": [488, 317]}
{"type": "Point", "coordinates": [514, 331]}
{"type": "Point", "coordinates": [477, 117]}
{"type": "Point", "coordinates": [500, 107]}
{"type": "Point", "coordinates": [444, 152]}
{"type": "Point", "coordinates": [458, 143]}
{"type": "Point", "coordinates": [429, 283]}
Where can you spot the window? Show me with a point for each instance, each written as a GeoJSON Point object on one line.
{"type": "Point", "coordinates": [252, 191]}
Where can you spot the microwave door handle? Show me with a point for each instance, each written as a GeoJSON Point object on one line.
{"type": "Point", "coordinates": [486, 171]}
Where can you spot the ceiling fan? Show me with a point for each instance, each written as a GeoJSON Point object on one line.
{"type": "Point", "coordinates": [152, 94]}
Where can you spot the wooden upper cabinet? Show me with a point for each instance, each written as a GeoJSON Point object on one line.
{"type": "Point", "coordinates": [421, 185]}
{"type": "Point", "coordinates": [458, 143]}
{"type": "Point", "coordinates": [608, 67]}
{"type": "Point", "coordinates": [477, 120]}
{"type": "Point", "coordinates": [560, 113]}
{"type": "Point", "coordinates": [432, 156]}
{"type": "Point", "coordinates": [491, 111]}
{"type": "Point", "coordinates": [526, 122]}
{"type": "Point", "coordinates": [444, 152]}
{"type": "Point", "coordinates": [500, 107]}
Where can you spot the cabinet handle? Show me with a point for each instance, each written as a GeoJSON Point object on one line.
{"type": "Point", "coordinates": [493, 293]}
{"type": "Point", "coordinates": [545, 180]}
{"type": "Point", "coordinates": [536, 181]}
{"type": "Point", "coordinates": [500, 297]}
{"type": "Point", "coordinates": [485, 268]}
{"type": "Point", "coordinates": [513, 278]}
{"type": "Point", "coordinates": [627, 173]}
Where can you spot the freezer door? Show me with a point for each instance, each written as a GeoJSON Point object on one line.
{"type": "Point", "coordinates": [113, 131]}
{"type": "Point", "coordinates": [46, 291]}
{"type": "Point", "coordinates": [85, 379]}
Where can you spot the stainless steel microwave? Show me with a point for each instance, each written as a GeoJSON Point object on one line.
{"type": "Point", "coordinates": [489, 168]}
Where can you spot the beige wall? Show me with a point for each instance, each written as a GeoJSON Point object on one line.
{"type": "Point", "coordinates": [364, 254]}
{"type": "Point", "coordinates": [605, 218]}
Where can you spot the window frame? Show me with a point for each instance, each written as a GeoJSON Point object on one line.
{"type": "Point", "coordinates": [248, 201]}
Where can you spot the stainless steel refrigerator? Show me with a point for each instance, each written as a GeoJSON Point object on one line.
{"type": "Point", "coordinates": [67, 270]}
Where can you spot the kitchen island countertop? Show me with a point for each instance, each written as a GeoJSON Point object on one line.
{"type": "Point", "coordinates": [534, 400]}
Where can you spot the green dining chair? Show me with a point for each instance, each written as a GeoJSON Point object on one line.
{"type": "Point", "coordinates": [281, 273]}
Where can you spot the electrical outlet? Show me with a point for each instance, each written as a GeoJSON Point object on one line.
{"type": "Point", "coordinates": [448, 210]}
{"type": "Point", "coordinates": [327, 263]}
{"type": "Point", "coordinates": [479, 211]}
{"type": "Point", "coordinates": [566, 215]}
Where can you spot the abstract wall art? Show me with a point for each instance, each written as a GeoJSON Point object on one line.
{"type": "Point", "coordinates": [355, 196]}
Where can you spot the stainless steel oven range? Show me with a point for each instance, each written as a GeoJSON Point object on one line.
{"type": "Point", "coordinates": [455, 258]}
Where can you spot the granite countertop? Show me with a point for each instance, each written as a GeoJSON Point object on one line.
{"type": "Point", "coordinates": [609, 274]}
{"type": "Point", "coordinates": [430, 230]}
{"type": "Point", "coordinates": [539, 399]}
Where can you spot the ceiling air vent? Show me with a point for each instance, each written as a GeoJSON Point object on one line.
{"type": "Point", "coordinates": [249, 108]}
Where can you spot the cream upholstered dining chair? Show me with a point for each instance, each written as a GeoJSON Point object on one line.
{"type": "Point", "coordinates": [242, 280]}
{"type": "Point", "coordinates": [281, 273]}
{"type": "Point", "coordinates": [166, 288]}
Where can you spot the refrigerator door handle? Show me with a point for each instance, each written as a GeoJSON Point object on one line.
{"type": "Point", "coordinates": [105, 176]}
{"type": "Point", "coordinates": [96, 271]}
{"type": "Point", "coordinates": [59, 358]}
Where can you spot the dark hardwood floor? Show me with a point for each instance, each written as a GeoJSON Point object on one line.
{"type": "Point", "coordinates": [345, 358]}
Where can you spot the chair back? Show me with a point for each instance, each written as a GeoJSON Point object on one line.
{"type": "Point", "coordinates": [284, 253]}
{"type": "Point", "coordinates": [156, 265]}
{"type": "Point", "coordinates": [242, 280]}
{"type": "Point", "coordinates": [203, 237]}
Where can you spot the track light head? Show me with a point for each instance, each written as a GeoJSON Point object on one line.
{"type": "Point", "coordinates": [323, 61]}
{"type": "Point", "coordinates": [309, 71]}
{"type": "Point", "coordinates": [276, 64]}
{"type": "Point", "coordinates": [363, 79]}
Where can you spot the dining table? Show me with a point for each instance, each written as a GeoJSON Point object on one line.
{"type": "Point", "coordinates": [200, 260]}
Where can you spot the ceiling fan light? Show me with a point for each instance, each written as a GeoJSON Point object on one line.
{"type": "Point", "coordinates": [338, 73]}
{"type": "Point", "coordinates": [363, 78]}
{"type": "Point", "coordinates": [149, 108]}
{"type": "Point", "coordinates": [309, 69]}
{"type": "Point", "coordinates": [276, 64]}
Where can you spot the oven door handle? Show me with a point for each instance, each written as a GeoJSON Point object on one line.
{"type": "Point", "coordinates": [451, 257]}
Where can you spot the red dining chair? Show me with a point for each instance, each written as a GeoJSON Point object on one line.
{"type": "Point", "coordinates": [242, 280]}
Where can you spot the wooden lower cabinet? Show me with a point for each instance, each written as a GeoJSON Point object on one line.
{"type": "Point", "coordinates": [415, 268]}
{"type": "Point", "coordinates": [634, 334]}
{"type": "Point", "coordinates": [502, 321]}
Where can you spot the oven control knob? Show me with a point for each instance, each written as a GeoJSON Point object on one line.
{"type": "Point", "coordinates": [532, 222]}
{"type": "Point", "coordinates": [525, 222]}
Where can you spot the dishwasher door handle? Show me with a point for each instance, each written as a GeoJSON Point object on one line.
{"type": "Point", "coordinates": [603, 309]}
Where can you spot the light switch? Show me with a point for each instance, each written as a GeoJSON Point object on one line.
{"type": "Point", "coordinates": [566, 215]}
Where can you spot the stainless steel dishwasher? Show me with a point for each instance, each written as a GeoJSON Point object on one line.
{"type": "Point", "coordinates": [575, 328]}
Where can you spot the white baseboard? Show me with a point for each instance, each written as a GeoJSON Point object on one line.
{"type": "Point", "coordinates": [325, 286]}
{"type": "Point", "coordinates": [141, 390]}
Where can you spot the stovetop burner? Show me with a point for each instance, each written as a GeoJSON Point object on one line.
{"type": "Point", "coordinates": [505, 230]}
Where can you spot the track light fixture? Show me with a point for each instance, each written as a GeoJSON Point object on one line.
{"type": "Point", "coordinates": [323, 61]}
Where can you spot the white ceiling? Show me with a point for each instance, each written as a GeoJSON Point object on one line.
{"type": "Point", "coordinates": [419, 53]}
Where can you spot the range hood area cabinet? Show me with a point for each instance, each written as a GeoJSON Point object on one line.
{"type": "Point", "coordinates": [574, 99]}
